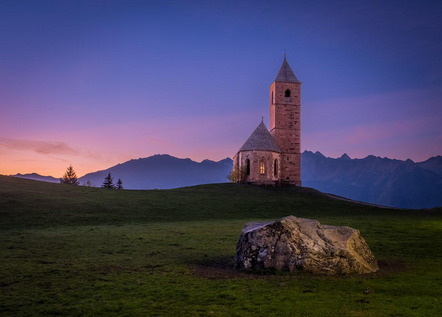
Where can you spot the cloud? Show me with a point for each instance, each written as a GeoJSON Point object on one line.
{"type": "Point", "coordinates": [41, 147]}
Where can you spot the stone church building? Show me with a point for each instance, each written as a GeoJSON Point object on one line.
{"type": "Point", "coordinates": [275, 157]}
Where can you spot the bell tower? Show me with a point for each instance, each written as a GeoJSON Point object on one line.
{"type": "Point", "coordinates": [285, 122]}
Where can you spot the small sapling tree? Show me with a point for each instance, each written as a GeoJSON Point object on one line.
{"type": "Point", "coordinates": [108, 182]}
{"type": "Point", "coordinates": [238, 175]}
{"type": "Point", "coordinates": [119, 184]}
{"type": "Point", "coordinates": [69, 177]}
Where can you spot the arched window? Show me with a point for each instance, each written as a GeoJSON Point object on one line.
{"type": "Point", "coordinates": [247, 167]}
{"type": "Point", "coordinates": [272, 99]}
{"type": "Point", "coordinates": [262, 167]}
{"type": "Point", "coordinates": [287, 93]}
{"type": "Point", "coordinates": [275, 168]}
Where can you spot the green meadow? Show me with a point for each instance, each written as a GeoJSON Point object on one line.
{"type": "Point", "coordinates": [87, 251]}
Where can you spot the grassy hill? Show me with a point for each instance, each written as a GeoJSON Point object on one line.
{"type": "Point", "coordinates": [76, 250]}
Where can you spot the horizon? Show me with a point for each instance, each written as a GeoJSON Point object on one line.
{"type": "Point", "coordinates": [94, 84]}
{"type": "Point", "coordinates": [216, 161]}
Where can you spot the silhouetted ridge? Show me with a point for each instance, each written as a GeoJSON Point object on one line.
{"type": "Point", "coordinates": [375, 180]}
{"type": "Point", "coordinates": [163, 171]}
{"type": "Point", "coordinates": [38, 177]}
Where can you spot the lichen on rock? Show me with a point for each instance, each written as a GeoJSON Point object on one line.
{"type": "Point", "coordinates": [298, 244]}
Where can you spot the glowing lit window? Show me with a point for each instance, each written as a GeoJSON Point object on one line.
{"type": "Point", "coordinates": [262, 168]}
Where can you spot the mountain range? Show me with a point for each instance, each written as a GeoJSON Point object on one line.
{"type": "Point", "coordinates": [163, 172]}
{"type": "Point", "coordinates": [376, 180]}
{"type": "Point", "coordinates": [382, 181]}
{"type": "Point", "coordinates": [38, 177]}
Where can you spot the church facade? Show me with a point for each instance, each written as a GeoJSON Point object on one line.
{"type": "Point", "coordinates": [274, 157]}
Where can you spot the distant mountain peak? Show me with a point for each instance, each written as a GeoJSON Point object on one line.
{"type": "Point", "coordinates": [433, 164]}
{"type": "Point", "coordinates": [163, 171]}
{"type": "Point", "coordinates": [37, 177]}
{"type": "Point", "coordinates": [373, 179]}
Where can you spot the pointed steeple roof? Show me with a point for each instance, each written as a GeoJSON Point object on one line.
{"type": "Point", "coordinates": [260, 140]}
{"type": "Point", "coordinates": [286, 73]}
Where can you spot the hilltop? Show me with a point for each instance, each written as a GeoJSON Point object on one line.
{"type": "Point", "coordinates": [73, 205]}
{"type": "Point", "coordinates": [375, 180]}
{"type": "Point", "coordinates": [70, 250]}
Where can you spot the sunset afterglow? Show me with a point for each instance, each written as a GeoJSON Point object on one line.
{"type": "Point", "coordinates": [97, 83]}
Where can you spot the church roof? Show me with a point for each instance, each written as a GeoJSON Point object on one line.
{"type": "Point", "coordinates": [286, 74]}
{"type": "Point", "coordinates": [260, 140]}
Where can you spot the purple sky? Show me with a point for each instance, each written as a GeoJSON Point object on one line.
{"type": "Point", "coordinates": [95, 83]}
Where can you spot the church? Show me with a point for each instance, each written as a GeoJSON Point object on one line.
{"type": "Point", "coordinates": [274, 157]}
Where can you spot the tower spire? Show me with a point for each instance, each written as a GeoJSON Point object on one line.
{"type": "Point", "coordinates": [286, 73]}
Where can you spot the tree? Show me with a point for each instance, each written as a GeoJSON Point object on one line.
{"type": "Point", "coordinates": [119, 184]}
{"type": "Point", "coordinates": [69, 177]}
{"type": "Point", "coordinates": [238, 175]}
{"type": "Point", "coordinates": [108, 182]}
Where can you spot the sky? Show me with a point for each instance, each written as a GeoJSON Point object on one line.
{"type": "Point", "coordinates": [94, 83]}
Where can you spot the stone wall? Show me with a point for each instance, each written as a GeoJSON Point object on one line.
{"type": "Point", "coordinates": [285, 127]}
{"type": "Point", "coordinates": [255, 158]}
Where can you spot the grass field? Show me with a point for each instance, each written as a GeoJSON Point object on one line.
{"type": "Point", "coordinates": [88, 251]}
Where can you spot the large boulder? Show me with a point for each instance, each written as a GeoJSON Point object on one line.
{"type": "Point", "coordinates": [298, 244]}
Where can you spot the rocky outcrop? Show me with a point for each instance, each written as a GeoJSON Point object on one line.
{"type": "Point", "coordinates": [298, 244]}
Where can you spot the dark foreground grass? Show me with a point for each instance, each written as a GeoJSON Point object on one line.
{"type": "Point", "coordinates": [88, 251]}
